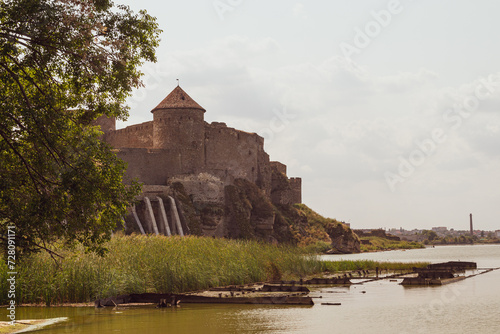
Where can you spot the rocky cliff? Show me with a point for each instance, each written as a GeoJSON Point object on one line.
{"type": "Point", "coordinates": [239, 210]}
{"type": "Point", "coordinates": [311, 229]}
{"type": "Point", "coordinates": [344, 241]}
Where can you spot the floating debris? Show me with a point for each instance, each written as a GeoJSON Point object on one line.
{"type": "Point", "coordinates": [284, 288]}
{"type": "Point", "coordinates": [205, 297]}
{"type": "Point", "coordinates": [439, 273]}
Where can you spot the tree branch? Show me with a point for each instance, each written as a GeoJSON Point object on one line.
{"type": "Point", "coordinates": [25, 163]}
{"type": "Point", "coordinates": [21, 87]}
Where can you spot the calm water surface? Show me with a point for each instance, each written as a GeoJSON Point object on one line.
{"type": "Point", "coordinates": [469, 306]}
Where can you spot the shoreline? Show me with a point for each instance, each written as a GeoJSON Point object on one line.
{"type": "Point", "coordinates": [332, 268]}
{"type": "Point", "coordinates": [466, 244]}
{"type": "Point", "coordinates": [137, 264]}
{"type": "Point", "coordinates": [420, 248]}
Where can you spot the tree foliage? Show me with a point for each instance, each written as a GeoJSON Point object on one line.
{"type": "Point", "coordinates": [64, 63]}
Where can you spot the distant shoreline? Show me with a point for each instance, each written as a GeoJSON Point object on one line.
{"type": "Point", "coordinates": [465, 244]}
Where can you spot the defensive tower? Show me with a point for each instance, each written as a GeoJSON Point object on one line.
{"type": "Point", "coordinates": [179, 127]}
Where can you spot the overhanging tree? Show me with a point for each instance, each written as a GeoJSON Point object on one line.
{"type": "Point", "coordinates": [64, 63]}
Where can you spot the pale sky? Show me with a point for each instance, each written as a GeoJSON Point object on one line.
{"type": "Point", "coordinates": [388, 110]}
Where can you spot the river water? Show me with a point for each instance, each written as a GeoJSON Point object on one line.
{"type": "Point", "coordinates": [468, 306]}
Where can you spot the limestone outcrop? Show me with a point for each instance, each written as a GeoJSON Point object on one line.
{"type": "Point", "coordinates": [241, 210]}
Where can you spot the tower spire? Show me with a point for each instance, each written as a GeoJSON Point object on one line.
{"type": "Point", "coordinates": [178, 99]}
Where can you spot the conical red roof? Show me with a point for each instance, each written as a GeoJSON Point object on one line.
{"type": "Point", "coordinates": [178, 99]}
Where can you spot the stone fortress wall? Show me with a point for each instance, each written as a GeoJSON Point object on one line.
{"type": "Point", "coordinates": [179, 145]}
{"type": "Point", "coordinates": [134, 136]}
{"type": "Point", "coordinates": [178, 142]}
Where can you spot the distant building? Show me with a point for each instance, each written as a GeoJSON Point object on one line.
{"type": "Point", "coordinates": [440, 231]}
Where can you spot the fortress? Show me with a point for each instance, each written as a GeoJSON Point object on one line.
{"type": "Point", "coordinates": [179, 146]}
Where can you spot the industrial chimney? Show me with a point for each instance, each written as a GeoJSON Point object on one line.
{"type": "Point", "coordinates": [471, 229]}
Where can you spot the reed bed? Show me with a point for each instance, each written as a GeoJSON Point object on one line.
{"type": "Point", "coordinates": [138, 264]}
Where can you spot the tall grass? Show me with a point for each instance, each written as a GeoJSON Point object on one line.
{"type": "Point", "coordinates": [138, 264]}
